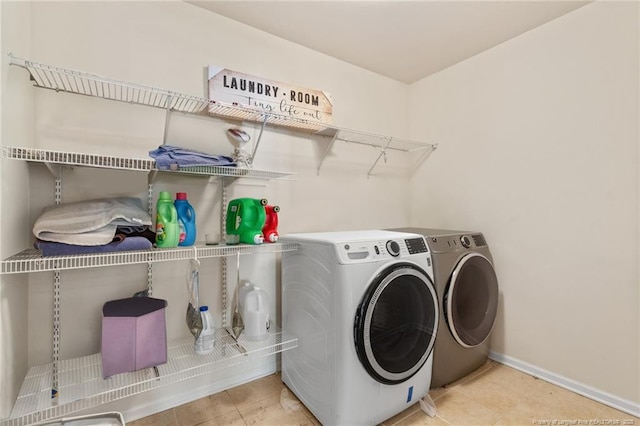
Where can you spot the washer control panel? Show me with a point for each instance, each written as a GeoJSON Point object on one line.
{"type": "Point", "coordinates": [363, 251]}
{"type": "Point", "coordinates": [416, 245]}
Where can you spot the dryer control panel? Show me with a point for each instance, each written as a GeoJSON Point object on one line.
{"type": "Point", "coordinates": [449, 243]}
{"type": "Point", "coordinates": [367, 251]}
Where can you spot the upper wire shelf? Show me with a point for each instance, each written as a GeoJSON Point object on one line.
{"type": "Point", "coordinates": [125, 163]}
{"type": "Point", "coordinates": [78, 82]}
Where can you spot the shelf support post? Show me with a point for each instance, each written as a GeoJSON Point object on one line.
{"type": "Point", "coordinates": [56, 302]}
{"type": "Point", "coordinates": [150, 179]}
{"type": "Point", "coordinates": [326, 152]}
{"type": "Point", "coordinates": [56, 336]}
{"type": "Point", "coordinates": [56, 171]}
{"type": "Point", "coordinates": [427, 152]}
{"type": "Point", "coordinates": [383, 153]}
{"type": "Point", "coordinates": [255, 147]}
{"type": "Point", "coordinates": [167, 119]}
{"type": "Point", "coordinates": [223, 234]}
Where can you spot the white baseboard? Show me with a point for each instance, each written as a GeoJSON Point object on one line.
{"type": "Point", "coordinates": [613, 401]}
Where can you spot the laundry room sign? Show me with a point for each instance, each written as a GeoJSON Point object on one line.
{"type": "Point", "coordinates": [256, 93]}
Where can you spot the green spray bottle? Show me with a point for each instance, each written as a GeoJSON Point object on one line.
{"type": "Point", "coordinates": [167, 227]}
{"type": "Point", "coordinates": [245, 219]}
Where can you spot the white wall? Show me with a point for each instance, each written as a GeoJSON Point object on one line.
{"type": "Point", "coordinates": [16, 125]}
{"type": "Point", "coordinates": [168, 45]}
{"type": "Point", "coordinates": [539, 150]}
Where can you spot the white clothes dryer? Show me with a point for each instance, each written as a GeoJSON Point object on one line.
{"type": "Point", "coordinates": [365, 311]}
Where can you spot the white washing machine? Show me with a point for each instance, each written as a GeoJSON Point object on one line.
{"type": "Point", "coordinates": [365, 311]}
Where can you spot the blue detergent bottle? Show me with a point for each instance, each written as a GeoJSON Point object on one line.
{"type": "Point", "coordinates": [186, 220]}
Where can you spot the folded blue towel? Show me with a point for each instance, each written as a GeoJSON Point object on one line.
{"type": "Point", "coordinates": [168, 155]}
{"type": "Point", "coordinates": [120, 244]}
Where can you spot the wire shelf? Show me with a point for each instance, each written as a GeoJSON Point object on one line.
{"type": "Point", "coordinates": [239, 112]}
{"type": "Point", "coordinates": [381, 142]}
{"type": "Point", "coordinates": [81, 385]}
{"type": "Point", "coordinates": [236, 172]}
{"type": "Point", "coordinates": [76, 159]}
{"type": "Point", "coordinates": [31, 260]}
{"type": "Point", "coordinates": [82, 83]}
{"type": "Point", "coordinates": [125, 163]}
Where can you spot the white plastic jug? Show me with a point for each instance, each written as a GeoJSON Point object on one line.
{"type": "Point", "coordinates": [256, 314]}
{"type": "Point", "coordinates": [244, 289]}
{"type": "Point", "coordinates": [206, 340]}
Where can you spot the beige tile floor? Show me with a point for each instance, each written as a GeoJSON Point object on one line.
{"type": "Point", "coordinates": [492, 395]}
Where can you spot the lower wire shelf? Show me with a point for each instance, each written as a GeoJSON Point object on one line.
{"type": "Point", "coordinates": [31, 260]}
{"type": "Point", "coordinates": [81, 385]}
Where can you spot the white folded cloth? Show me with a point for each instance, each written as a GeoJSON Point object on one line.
{"type": "Point", "coordinates": [89, 223]}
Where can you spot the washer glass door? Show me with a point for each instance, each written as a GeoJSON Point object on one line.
{"type": "Point", "coordinates": [396, 323]}
{"type": "Point", "coordinates": [471, 300]}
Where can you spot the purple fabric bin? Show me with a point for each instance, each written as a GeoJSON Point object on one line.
{"type": "Point", "coordinates": [134, 335]}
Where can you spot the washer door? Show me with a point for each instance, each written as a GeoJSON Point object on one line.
{"type": "Point", "coordinates": [471, 300]}
{"type": "Point", "coordinates": [396, 323]}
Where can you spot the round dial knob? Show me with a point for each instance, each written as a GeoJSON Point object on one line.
{"type": "Point", "coordinates": [393, 248]}
{"type": "Point", "coordinates": [466, 242]}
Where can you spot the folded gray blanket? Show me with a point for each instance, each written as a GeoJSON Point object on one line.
{"type": "Point", "coordinates": [122, 244]}
{"type": "Point", "coordinates": [89, 223]}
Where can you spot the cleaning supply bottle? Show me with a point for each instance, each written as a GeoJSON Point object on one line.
{"type": "Point", "coordinates": [270, 228]}
{"type": "Point", "coordinates": [256, 314]}
{"type": "Point", "coordinates": [206, 340]}
{"type": "Point", "coordinates": [167, 228]}
{"type": "Point", "coordinates": [186, 220]}
{"type": "Point", "coordinates": [245, 219]}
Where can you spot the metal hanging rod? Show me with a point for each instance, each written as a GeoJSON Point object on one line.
{"type": "Point", "coordinates": [78, 82]}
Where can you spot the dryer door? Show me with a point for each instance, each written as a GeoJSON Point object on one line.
{"type": "Point", "coordinates": [471, 300]}
{"type": "Point", "coordinates": [396, 323]}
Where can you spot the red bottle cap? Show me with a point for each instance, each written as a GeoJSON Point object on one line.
{"type": "Point", "coordinates": [181, 195]}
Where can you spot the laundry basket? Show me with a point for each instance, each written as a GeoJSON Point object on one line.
{"type": "Point", "coordinates": [100, 419]}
